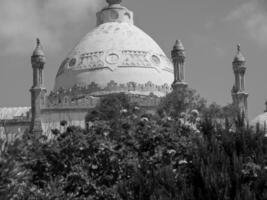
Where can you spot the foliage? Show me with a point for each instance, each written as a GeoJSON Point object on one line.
{"type": "Point", "coordinates": [13, 175]}
{"type": "Point", "coordinates": [109, 107]}
{"type": "Point", "coordinates": [182, 100]}
{"type": "Point", "coordinates": [126, 154]}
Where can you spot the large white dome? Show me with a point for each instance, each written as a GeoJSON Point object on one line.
{"type": "Point", "coordinates": [116, 51]}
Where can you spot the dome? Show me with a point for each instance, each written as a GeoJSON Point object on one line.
{"type": "Point", "coordinates": [261, 120]}
{"type": "Point", "coordinates": [117, 52]}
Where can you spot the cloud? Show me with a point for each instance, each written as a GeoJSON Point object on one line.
{"type": "Point", "coordinates": [253, 17]}
{"type": "Point", "coordinates": [24, 20]}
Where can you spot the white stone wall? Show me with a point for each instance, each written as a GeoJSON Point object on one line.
{"type": "Point", "coordinates": [51, 119]}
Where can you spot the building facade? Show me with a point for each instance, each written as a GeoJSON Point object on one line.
{"type": "Point", "coordinates": [115, 57]}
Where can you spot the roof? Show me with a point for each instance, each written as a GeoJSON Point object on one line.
{"type": "Point", "coordinates": [116, 50]}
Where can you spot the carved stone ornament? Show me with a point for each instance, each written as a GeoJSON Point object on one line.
{"type": "Point", "coordinates": [114, 14]}
{"type": "Point", "coordinates": [155, 59]}
{"type": "Point", "coordinates": [62, 67]}
{"type": "Point", "coordinates": [91, 61]}
{"type": "Point", "coordinates": [72, 62]}
{"type": "Point", "coordinates": [112, 59]}
{"type": "Point", "coordinates": [72, 97]}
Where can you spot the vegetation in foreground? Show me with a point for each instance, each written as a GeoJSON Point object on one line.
{"type": "Point", "coordinates": [126, 154]}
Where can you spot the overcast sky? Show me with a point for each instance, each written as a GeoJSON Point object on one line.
{"type": "Point", "coordinates": [209, 30]}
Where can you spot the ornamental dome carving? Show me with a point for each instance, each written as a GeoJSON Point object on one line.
{"type": "Point", "coordinates": [115, 51]}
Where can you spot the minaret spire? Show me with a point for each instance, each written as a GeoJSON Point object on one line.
{"type": "Point", "coordinates": [265, 106]}
{"type": "Point", "coordinates": [238, 48]}
{"type": "Point", "coordinates": [37, 91]}
{"type": "Point", "coordinates": [38, 41]}
{"type": "Point", "coordinates": [238, 92]}
{"type": "Point", "coordinates": [178, 59]}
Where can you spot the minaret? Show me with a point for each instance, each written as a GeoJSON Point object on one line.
{"type": "Point", "coordinates": [37, 91]}
{"type": "Point", "coordinates": [238, 92]}
{"type": "Point", "coordinates": [178, 59]}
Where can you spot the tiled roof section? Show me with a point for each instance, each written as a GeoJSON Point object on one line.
{"type": "Point", "coordinates": [14, 113]}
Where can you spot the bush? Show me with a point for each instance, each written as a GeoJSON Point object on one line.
{"type": "Point", "coordinates": [179, 101]}
{"type": "Point", "coordinates": [133, 155]}
{"type": "Point", "coordinates": [110, 107]}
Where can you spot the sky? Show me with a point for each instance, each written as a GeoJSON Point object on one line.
{"type": "Point", "coordinates": [209, 30]}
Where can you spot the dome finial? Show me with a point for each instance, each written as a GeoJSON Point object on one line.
{"type": "Point", "coordinates": [110, 2]}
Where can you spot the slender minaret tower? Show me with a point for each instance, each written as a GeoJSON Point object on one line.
{"type": "Point", "coordinates": [37, 91]}
{"type": "Point", "coordinates": [238, 92]}
{"type": "Point", "coordinates": [178, 59]}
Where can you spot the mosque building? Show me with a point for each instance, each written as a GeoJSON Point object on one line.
{"type": "Point", "coordinates": [115, 57]}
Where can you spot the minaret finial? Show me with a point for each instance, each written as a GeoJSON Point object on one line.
{"type": "Point", "coordinates": [110, 2]}
{"type": "Point", "coordinates": [38, 41]}
{"type": "Point", "coordinates": [238, 48]}
{"type": "Point", "coordinates": [38, 51]}
{"type": "Point", "coordinates": [179, 45]}
{"type": "Point", "coordinates": [239, 56]}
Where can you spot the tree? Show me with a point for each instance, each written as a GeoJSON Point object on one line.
{"type": "Point", "coordinates": [109, 107]}
{"type": "Point", "coordinates": [179, 101]}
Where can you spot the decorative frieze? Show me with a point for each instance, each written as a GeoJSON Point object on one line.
{"type": "Point", "coordinates": [91, 61]}
{"type": "Point", "coordinates": [113, 59]}
{"type": "Point", "coordinates": [88, 95]}
{"type": "Point", "coordinates": [136, 58]}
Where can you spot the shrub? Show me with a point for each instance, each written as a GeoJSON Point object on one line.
{"type": "Point", "coordinates": [133, 155]}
